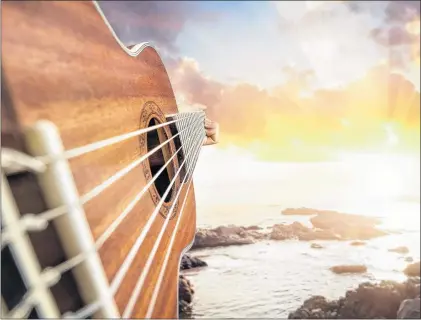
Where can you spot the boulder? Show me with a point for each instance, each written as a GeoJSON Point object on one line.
{"type": "Point", "coordinates": [300, 212]}
{"type": "Point", "coordinates": [298, 231]}
{"type": "Point", "coordinates": [368, 301]}
{"type": "Point", "coordinates": [253, 228]}
{"type": "Point", "coordinates": [409, 309]}
{"type": "Point", "coordinates": [349, 269]}
{"type": "Point", "coordinates": [303, 211]}
{"type": "Point", "coordinates": [316, 234]}
{"type": "Point", "coordinates": [413, 269]}
{"type": "Point", "coordinates": [286, 232]}
{"type": "Point", "coordinates": [185, 297]}
{"type": "Point", "coordinates": [401, 250]}
{"type": "Point", "coordinates": [348, 226]}
{"type": "Point", "coordinates": [316, 246]}
{"type": "Point", "coordinates": [358, 243]}
{"type": "Point", "coordinates": [226, 236]}
{"type": "Point", "coordinates": [374, 301]}
{"type": "Point", "coordinates": [189, 262]}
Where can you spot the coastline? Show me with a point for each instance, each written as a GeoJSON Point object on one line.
{"type": "Point", "coordinates": [327, 227]}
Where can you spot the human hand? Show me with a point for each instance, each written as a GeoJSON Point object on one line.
{"type": "Point", "coordinates": [212, 132]}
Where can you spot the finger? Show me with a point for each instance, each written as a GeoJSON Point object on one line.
{"type": "Point", "coordinates": [211, 132]}
{"type": "Point", "coordinates": [213, 125]}
{"type": "Point", "coordinates": [209, 141]}
{"type": "Point", "coordinates": [209, 123]}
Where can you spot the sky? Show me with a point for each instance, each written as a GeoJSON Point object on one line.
{"type": "Point", "coordinates": [290, 80]}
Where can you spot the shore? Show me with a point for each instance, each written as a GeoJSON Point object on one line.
{"type": "Point", "coordinates": [354, 230]}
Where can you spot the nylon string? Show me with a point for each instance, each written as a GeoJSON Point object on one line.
{"type": "Point", "coordinates": [31, 222]}
{"type": "Point", "coordinates": [148, 264]}
{"type": "Point", "coordinates": [116, 282]}
{"type": "Point", "coordinates": [39, 222]}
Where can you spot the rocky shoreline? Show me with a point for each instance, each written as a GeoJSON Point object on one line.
{"type": "Point", "coordinates": [384, 300]}
{"type": "Point", "coordinates": [387, 299]}
{"type": "Point", "coordinates": [185, 287]}
{"type": "Point", "coordinates": [326, 225]}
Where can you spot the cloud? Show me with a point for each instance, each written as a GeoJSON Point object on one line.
{"type": "Point", "coordinates": [235, 105]}
{"type": "Point", "coordinates": [282, 119]}
{"type": "Point", "coordinates": [402, 11]}
{"type": "Point", "coordinates": [335, 95]}
{"type": "Point", "coordinates": [400, 27]}
{"type": "Point", "coordinates": [333, 40]}
{"type": "Point", "coordinates": [393, 36]}
{"type": "Point", "coordinates": [159, 22]}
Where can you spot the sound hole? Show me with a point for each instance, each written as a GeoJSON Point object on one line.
{"type": "Point", "coordinates": [159, 158]}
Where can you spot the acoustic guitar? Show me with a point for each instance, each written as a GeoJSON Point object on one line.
{"type": "Point", "coordinates": [98, 202]}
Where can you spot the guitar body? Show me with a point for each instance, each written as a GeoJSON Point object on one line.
{"type": "Point", "coordinates": [61, 62]}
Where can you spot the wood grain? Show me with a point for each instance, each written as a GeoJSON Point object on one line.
{"type": "Point", "coordinates": [29, 199]}
{"type": "Point", "coordinates": [61, 63]}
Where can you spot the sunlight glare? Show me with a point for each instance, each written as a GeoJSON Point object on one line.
{"type": "Point", "coordinates": [413, 27]}
{"type": "Point", "coordinates": [392, 137]}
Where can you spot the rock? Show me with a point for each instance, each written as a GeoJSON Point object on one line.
{"type": "Point", "coordinates": [185, 310]}
{"type": "Point", "coordinates": [316, 246]}
{"type": "Point", "coordinates": [315, 234]}
{"type": "Point", "coordinates": [185, 297]}
{"type": "Point", "coordinates": [254, 234]}
{"type": "Point", "coordinates": [348, 226]}
{"type": "Point", "coordinates": [185, 289]}
{"type": "Point", "coordinates": [409, 309]}
{"type": "Point", "coordinates": [284, 232]}
{"type": "Point", "coordinates": [298, 231]}
{"type": "Point", "coordinates": [402, 250]}
{"type": "Point", "coordinates": [373, 301]}
{"type": "Point", "coordinates": [253, 228]}
{"type": "Point", "coordinates": [316, 304]}
{"type": "Point", "coordinates": [300, 212]}
{"type": "Point", "coordinates": [358, 243]}
{"type": "Point", "coordinates": [413, 269]}
{"type": "Point", "coordinates": [327, 225]}
{"type": "Point", "coordinates": [226, 236]}
{"type": "Point", "coordinates": [349, 269]}
{"type": "Point", "coordinates": [367, 301]}
{"type": "Point", "coordinates": [189, 262]}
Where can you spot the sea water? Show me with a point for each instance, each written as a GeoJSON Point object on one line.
{"type": "Point", "coordinates": [272, 278]}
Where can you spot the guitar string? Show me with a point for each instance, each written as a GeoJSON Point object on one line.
{"type": "Point", "coordinates": [32, 222]}
{"type": "Point", "coordinates": [73, 262]}
{"type": "Point", "coordinates": [53, 274]}
{"type": "Point", "coordinates": [78, 151]}
{"type": "Point", "coordinates": [47, 279]}
{"type": "Point", "coordinates": [93, 307]}
{"type": "Point", "coordinates": [117, 280]}
{"type": "Point", "coordinates": [109, 231]}
{"type": "Point", "coordinates": [25, 259]}
{"type": "Point", "coordinates": [51, 269]}
{"type": "Point", "coordinates": [131, 205]}
{"type": "Point", "coordinates": [28, 301]}
{"type": "Point", "coordinates": [158, 284]}
{"type": "Point", "coordinates": [129, 308]}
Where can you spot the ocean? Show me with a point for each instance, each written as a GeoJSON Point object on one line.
{"type": "Point", "coordinates": [272, 278]}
